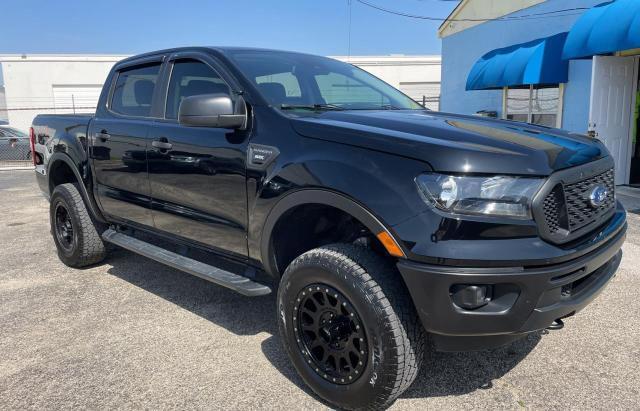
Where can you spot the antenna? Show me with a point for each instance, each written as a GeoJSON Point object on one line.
{"type": "Point", "coordinates": [349, 36]}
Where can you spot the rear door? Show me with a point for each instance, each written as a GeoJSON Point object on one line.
{"type": "Point", "coordinates": [612, 89]}
{"type": "Point", "coordinates": [198, 184]}
{"type": "Point", "coordinates": [119, 135]}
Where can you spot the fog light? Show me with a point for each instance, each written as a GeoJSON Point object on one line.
{"type": "Point", "coordinates": [471, 297]}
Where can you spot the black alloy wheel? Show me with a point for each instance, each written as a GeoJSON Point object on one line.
{"type": "Point", "coordinates": [349, 326]}
{"type": "Point", "coordinates": [330, 334]}
{"type": "Point", "coordinates": [74, 231]}
{"type": "Point", "coordinates": [64, 227]}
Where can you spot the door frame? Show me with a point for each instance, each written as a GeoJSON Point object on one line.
{"type": "Point", "coordinates": [632, 118]}
{"type": "Point", "coordinates": [629, 145]}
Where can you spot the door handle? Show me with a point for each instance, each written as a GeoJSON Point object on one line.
{"type": "Point", "coordinates": [103, 135]}
{"type": "Point", "coordinates": [162, 144]}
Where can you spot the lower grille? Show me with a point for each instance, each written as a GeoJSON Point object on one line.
{"type": "Point", "coordinates": [568, 207]}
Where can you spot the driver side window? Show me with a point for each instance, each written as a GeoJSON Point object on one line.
{"type": "Point", "coordinates": [191, 78]}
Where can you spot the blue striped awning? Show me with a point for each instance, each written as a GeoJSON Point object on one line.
{"type": "Point", "coordinates": [605, 28]}
{"type": "Point", "coordinates": [535, 62]}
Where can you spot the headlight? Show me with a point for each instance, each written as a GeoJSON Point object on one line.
{"type": "Point", "coordinates": [499, 196]}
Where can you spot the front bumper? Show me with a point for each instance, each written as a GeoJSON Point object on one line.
{"type": "Point", "coordinates": [525, 299]}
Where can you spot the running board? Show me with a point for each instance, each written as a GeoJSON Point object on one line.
{"type": "Point", "coordinates": [238, 283]}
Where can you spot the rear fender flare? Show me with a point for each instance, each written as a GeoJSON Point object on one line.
{"type": "Point", "coordinates": [88, 199]}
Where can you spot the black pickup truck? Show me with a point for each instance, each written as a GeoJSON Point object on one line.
{"type": "Point", "coordinates": [384, 227]}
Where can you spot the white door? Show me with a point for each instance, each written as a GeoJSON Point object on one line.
{"type": "Point", "coordinates": [612, 93]}
{"type": "Point", "coordinates": [76, 98]}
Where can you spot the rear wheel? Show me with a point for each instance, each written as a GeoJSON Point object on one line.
{"type": "Point", "coordinates": [74, 233]}
{"type": "Point", "coordinates": [349, 326]}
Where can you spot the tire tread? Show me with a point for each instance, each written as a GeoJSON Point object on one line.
{"type": "Point", "coordinates": [381, 283]}
{"type": "Point", "coordinates": [92, 249]}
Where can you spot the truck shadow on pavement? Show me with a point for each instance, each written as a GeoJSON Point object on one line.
{"type": "Point", "coordinates": [442, 374]}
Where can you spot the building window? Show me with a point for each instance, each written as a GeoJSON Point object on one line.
{"type": "Point", "coordinates": [541, 105]}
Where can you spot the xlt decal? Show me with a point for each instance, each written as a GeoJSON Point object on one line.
{"type": "Point", "coordinates": [259, 156]}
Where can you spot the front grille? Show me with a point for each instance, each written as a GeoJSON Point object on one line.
{"type": "Point", "coordinates": [553, 209]}
{"type": "Point", "coordinates": [567, 207]}
{"type": "Point", "coordinates": [580, 212]}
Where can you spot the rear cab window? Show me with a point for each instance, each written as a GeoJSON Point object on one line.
{"type": "Point", "coordinates": [133, 91]}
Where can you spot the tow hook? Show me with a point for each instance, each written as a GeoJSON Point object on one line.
{"type": "Point", "coordinates": [556, 325]}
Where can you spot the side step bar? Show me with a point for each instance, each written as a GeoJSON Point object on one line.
{"type": "Point", "coordinates": [238, 283]}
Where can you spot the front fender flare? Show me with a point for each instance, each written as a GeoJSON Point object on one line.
{"type": "Point", "coordinates": [315, 196]}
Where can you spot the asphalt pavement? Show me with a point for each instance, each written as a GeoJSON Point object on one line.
{"type": "Point", "coordinates": [131, 333]}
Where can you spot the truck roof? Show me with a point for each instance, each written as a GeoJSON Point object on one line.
{"type": "Point", "coordinates": [218, 49]}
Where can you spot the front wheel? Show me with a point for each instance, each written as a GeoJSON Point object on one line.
{"type": "Point", "coordinates": [349, 326]}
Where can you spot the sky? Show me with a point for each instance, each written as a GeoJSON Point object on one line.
{"type": "Point", "coordinates": [136, 26]}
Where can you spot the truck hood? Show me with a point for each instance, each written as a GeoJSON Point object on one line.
{"type": "Point", "coordinates": [455, 143]}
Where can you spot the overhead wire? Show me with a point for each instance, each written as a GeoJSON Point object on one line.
{"type": "Point", "coordinates": [530, 16]}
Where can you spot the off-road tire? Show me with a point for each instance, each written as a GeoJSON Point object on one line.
{"type": "Point", "coordinates": [374, 287]}
{"type": "Point", "coordinates": [86, 247]}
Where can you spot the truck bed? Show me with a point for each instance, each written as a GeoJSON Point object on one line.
{"type": "Point", "coordinates": [49, 128]}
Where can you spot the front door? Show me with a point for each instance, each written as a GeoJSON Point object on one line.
{"type": "Point", "coordinates": [197, 174]}
{"type": "Point", "coordinates": [119, 143]}
{"type": "Point", "coordinates": [612, 89]}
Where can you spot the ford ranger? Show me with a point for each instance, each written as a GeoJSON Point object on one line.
{"type": "Point", "coordinates": [381, 225]}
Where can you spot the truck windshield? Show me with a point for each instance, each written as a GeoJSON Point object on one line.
{"type": "Point", "coordinates": [292, 81]}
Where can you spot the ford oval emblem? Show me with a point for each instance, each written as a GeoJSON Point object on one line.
{"type": "Point", "coordinates": [598, 196]}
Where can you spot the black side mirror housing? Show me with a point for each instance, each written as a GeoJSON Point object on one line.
{"type": "Point", "coordinates": [213, 110]}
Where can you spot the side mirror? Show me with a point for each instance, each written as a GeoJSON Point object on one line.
{"type": "Point", "coordinates": [212, 110]}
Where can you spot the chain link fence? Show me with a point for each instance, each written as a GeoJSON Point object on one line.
{"type": "Point", "coordinates": [15, 147]}
{"type": "Point", "coordinates": [430, 102]}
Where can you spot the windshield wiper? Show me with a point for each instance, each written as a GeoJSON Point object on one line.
{"type": "Point", "coordinates": [314, 107]}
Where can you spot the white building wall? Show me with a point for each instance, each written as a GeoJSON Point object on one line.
{"type": "Point", "coordinates": [3, 106]}
{"type": "Point", "coordinates": [31, 82]}
{"type": "Point", "coordinates": [35, 84]}
{"type": "Point", "coordinates": [416, 76]}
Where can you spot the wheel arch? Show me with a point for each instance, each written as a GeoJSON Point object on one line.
{"type": "Point", "coordinates": [61, 161]}
{"type": "Point", "coordinates": [317, 197]}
